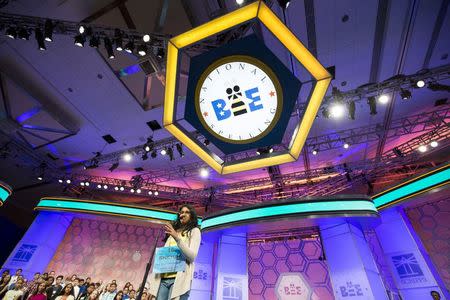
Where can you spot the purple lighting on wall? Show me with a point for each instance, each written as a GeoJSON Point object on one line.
{"type": "Point", "coordinates": [28, 114]}
{"type": "Point", "coordinates": [129, 70]}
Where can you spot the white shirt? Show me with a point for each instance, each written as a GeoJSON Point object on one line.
{"type": "Point", "coordinates": [13, 294]}
{"type": "Point", "coordinates": [76, 291]}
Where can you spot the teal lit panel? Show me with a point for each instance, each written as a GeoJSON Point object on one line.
{"type": "Point", "coordinates": [287, 209]}
{"type": "Point", "coordinates": [413, 187]}
{"type": "Point", "coordinates": [3, 194]}
{"type": "Point", "coordinates": [107, 208]}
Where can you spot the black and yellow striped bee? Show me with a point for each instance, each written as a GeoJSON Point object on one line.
{"type": "Point", "coordinates": [238, 106]}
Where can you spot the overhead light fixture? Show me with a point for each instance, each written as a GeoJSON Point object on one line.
{"type": "Point", "coordinates": [40, 178]}
{"type": "Point", "coordinates": [142, 50]}
{"type": "Point", "coordinates": [405, 94]}
{"type": "Point", "coordinates": [156, 193]}
{"type": "Point", "coordinates": [206, 142]}
{"type": "Point", "coordinates": [383, 99]}
{"type": "Point", "coordinates": [163, 151]}
{"type": "Point", "coordinates": [337, 111]}
{"type": "Point", "coordinates": [68, 181]}
{"type": "Point", "coordinates": [204, 172]}
{"type": "Point", "coordinates": [434, 144]}
{"type": "Point", "coordinates": [154, 154]}
{"type": "Point", "coordinates": [180, 149]}
{"type": "Point", "coordinates": [149, 145]}
{"type": "Point", "coordinates": [346, 145]}
{"type": "Point", "coordinates": [127, 157]}
{"type": "Point", "coordinates": [99, 186]}
{"type": "Point", "coordinates": [351, 110]}
{"type": "Point", "coordinates": [138, 191]}
{"type": "Point", "coordinates": [420, 83]}
{"type": "Point", "coordinates": [132, 190]}
{"type": "Point", "coordinates": [423, 148]}
{"type": "Point", "coordinates": [122, 188]}
{"type": "Point", "coordinates": [48, 30]}
{"type": "Point", "coordinates": [81, 29]}
{"type": "Point", "coordinates": [11, 32]}
{"type": "Point", "coordinates": [94, 42]}
{"type": "Point", "coordinates": [105, 187]}
{"type": "Point", "coordinates": [284, 4]}
{"type": "Point", "coordinates": [160, 53]}
{"type": "Point", "coordinates": [326, 113]}
{"type": "Point", "coordinates": [146, 38]}
{"type": "Point", "coordinates": [315, 151]}
{"type": "Point", "coordinates": [116, 188]}
{"type": "Point", "coordinates": [170, 153]}
{"type": "Point", "coordinates": [129, 47]}
{"type": "Point", "coordinates": [82, 183]}
{"type": "Point", "coordinates": [86, 183]}
{"type": "Point", "coordinates": [265, 150]}
{"type": "Point", "coordinates": [150, 193]}
{"type": "Point", "coordinates": [118, 39]}
{"type": "Point", "coordinates": [434, 86]}
{"type": "Point", "coordinates": [79, 40]}
{"type": "Point", "coordinates": [144, 156]}
{"type": "Point", "coordinates": [108, 47]}
{"type": "Point", "coordinates": [24, 34]}
{"type": "Point", "coordinates": [147, 148]}
{"type": "Point", "coordinates": [239, 2]}
{"type": "Point", "coordinates": [40, 39]}
{"type": "Point", "coordinates": [60, 180]}
{"type": "Point", "coordinates": [372, 105]}
{"type": "Point", "coordinates": [114, 166]}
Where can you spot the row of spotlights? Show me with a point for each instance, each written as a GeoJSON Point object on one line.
{"type": "Point", "coordinates": [424, 148]}
{"type": "Point", "coordinates": [105, 187]}
{"type": "Point", "coordinates": [345, 146]}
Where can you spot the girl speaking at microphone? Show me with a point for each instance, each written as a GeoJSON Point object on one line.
{"type": "Point", "coordinates": [184, 234]}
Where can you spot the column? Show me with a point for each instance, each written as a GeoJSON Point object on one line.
{"type": "Point", "coordinates": [231, 267]}
{"type": "Point", "coordinates": [410, 265]}
{"type": "Point", "coordinates": [38, 245]}
{"type": "Point", "coordinates": [353, 272]}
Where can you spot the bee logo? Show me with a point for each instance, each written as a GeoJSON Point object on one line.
{"type": "Point", "coordinates": [237, 104]}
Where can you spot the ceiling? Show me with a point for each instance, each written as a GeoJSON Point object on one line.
{"type": "Point", "coordinates": [73, 96]}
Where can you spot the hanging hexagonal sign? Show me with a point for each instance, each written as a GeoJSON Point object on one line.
{"type": "Point", "coordinates": [240, 96]}
{"type": "Point", "coordinates": [292, 286]}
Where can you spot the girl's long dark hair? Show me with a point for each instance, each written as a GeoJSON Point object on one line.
{"type": "Point", "coordinates": [193, 221]}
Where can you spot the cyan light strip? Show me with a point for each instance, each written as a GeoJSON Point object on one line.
{"type": "Point", "coordinates": [409, 189]}
{"type": "Point", "coordinates": [287, 209]}
{"type": "Point", "coordinates": [103, 208]}
{"type": "Point", "coordinates": [5, 192]}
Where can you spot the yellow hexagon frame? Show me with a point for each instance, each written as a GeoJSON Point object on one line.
{"type": "Point", "coordinates": [257, 10]}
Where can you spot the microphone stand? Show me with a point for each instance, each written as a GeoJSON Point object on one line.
{"type": "Point", "coordinates": [147, 268]}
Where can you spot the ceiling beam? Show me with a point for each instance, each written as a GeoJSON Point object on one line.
{"type": "Point", "coordinates": [102, 11]}
{"type": "Point", "coordinates": [126, 16]}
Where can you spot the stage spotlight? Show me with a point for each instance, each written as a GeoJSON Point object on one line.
{"type": "Point", "coordinates": [105, 187]}
{"type": "Point", "coordinates": [346, 146]}
{"type": "Point", "coordinates": [94, 42]}
{"type": "Point", "coordinates": [284, 4]}
{"type": "Point", "coordinates": [24, 34]}
{"type": "Point", "coordinates": [398, 152]}
{"type": "Point", "coordinates": [315, 151]}
{"type": "Point", "coordinates": [142, 50]}
{"type": "Point", "coordinates": [82, 183]}
{"type": "Point", "coordinates": [160, 53]}
{"type": "Point", "coordinates": [138, 191]}
{"type": "Point", "coordinates": [81, 29]}
{"type": "Point", "coordinates": [108, 47]}
{"type": "Point", "coordinates": [40, 178]}
{"type": "Point", "coordinates": [146, 38]}
{"type": "Point", "coordinates": [99, 186]}
{"type": "Point", "coordinates": [156, 193]}
{"type": "Point", "coordinates": [405, 94]}
{"type": "Point", "coordinates": [206, 142]}
{"type": "Point", "coordinates": [132, 190]}
{"type": "Point", "coordinates": [372, 105]}
{"type": "Point", "coordinates": [11, 32]}
{"type": "Point", "coordinates": [149, 145]}
{"type": "Point", "coordinates": [127, 157]}
{"type": "Point", "coordinates": [154, 154]}
{"type": "Point", "coordinates": [145, 156]}
{"type": "Point", "coordinates": [163, 151]}
{"type": "Point", "coordinates": [420, 83]}
{"type": "Point", "coordinates": [265, 150]}
{"type": "Point", "coordinates": [68, 181]}
{"type": "Point", "coordinates": [383, 99]}
{"type": "Point", "coordinates": [40, 39]}
{"type": "Point", "coordinates": [204, 172]}
{"type": "Point", "coordinates": [150, 193]}
{"type": "Point", "coordinates": [118, 39]}
{"type": "Point", "coordinates": [239, 2]}
{"type": "Point", "coordinates": [60, 180]}
{"type": "Point", "coordinates": [114, 166]}
{"type": "Point", "coordinates": [434, 86]}
{"type": "Point", "coordinates": [423, 148]}
{"type": "Point", "coordinates": [336, 111]}
{"type": "Point", "coordinates": [147, 148]}
{"type": "Point", "coordinates": [121, 188]}
{"type": "Point", "coordinates": [170, 153]}
{"type": "Point", "coordinates": [116, 188]}
{"type": "Point", "coordinates": [48, 31]}
{"type": "Point", "coordinates": [434, 144]}
{"type": "Point", "coordinates": [129, 47]}
{"type": "Point", "coordinates": [79, 40]}
{"type": "Point", "coordinates": [180, 149]}
{"type": "Point", "coordinates": [351, 110]}
{"type": "Point", "coordinates": [86, 183]}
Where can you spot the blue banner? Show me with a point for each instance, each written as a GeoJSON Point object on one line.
{"type": "Point", "coordinates": [168, 260]}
